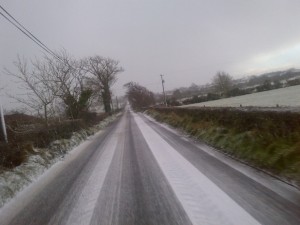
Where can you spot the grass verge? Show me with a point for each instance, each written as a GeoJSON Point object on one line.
{"type": "Point", "coordinates": [269, 140]}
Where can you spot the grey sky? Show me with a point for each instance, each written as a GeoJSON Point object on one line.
{"type": "Point", "coordinates": [186, 40]}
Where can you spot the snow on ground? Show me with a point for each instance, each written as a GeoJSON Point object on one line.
{"type": "Point", "coordinates": [204, 202]}
{"type": "Point", "coordinates": [84, 208]}
{"type": "Point", "coordinates": [282, 97]}
{"type": "Point", "coordinates": [14, 180]}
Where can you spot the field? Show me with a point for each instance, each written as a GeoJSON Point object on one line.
{"type": "Point", "coordinates": [289, 96]}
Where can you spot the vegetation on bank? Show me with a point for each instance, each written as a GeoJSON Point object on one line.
{"type": "Point", "coordinates": [27, 133]}
{"type": "Point", "coordinates": [267, 139]}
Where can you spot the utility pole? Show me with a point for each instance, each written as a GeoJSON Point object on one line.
{"type": "Point", "coordinates": [163, 87]}
{"type": "Point", "coordinates": [3, 127]}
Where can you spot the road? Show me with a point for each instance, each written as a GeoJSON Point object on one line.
{"type": "Point", "coordinates": [140, 172]}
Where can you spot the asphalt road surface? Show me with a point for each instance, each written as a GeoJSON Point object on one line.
{"type": "Point", "coordinates": [139, 172]}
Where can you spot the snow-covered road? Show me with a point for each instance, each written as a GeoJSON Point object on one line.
{"type": "Point", "coordinates": [139, 172]}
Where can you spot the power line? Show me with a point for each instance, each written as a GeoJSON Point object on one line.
{"type": "Point", "coordinates": [20, 27]}
{"type": "Point", "coordinates": [24, 32]}
{"type": "Point", "coordinates": [26, 29]}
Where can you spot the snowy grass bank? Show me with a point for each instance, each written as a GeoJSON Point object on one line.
{"type": "Point", "coordinates": [282, 97]}
{"type": "Point", "coordinates": [265, 139]}
{"type": "Point", "coordinates": [14, 180]}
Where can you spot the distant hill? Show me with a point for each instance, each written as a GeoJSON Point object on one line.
{"type": "Point", "coordinates": [277, 76]}
{"type": "Point", "coordinates": [250, 84]}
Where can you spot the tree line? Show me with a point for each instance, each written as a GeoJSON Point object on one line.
{"type": "Point", "coordinates": [223, 86]}
{"type": "Point", "coordinates": [139, 96]}
{"type": "Point", "coordinates": [64, 85]}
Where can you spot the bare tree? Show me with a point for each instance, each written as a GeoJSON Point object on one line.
{"type": "Point", "coordinates": [68, 76]}
{"type": "Point", "coordinates": [222, 83]}
{"type": "Point", "coordinates": [38, 96]}
{"type": "Point", "coordinates": [139, 96]}
{"type": "Point", "coordinates": [104, 74]}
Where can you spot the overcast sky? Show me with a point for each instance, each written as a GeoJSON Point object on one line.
{"type": "Point", "coordinates": [186, 40]}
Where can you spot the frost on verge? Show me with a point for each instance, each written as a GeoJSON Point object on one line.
{"type": "Point", "coordinates": [14, 180]}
